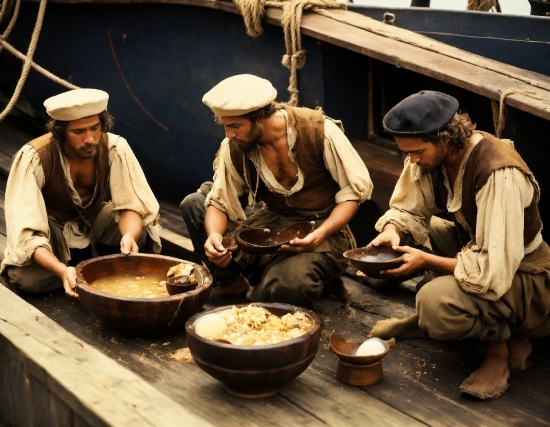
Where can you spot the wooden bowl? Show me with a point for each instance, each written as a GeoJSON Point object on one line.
{"type": "Point", "coordinates": [356, 370]}
{"type": "Point", "coordinates": [139, 316]}
{"type": "Point", "coordinates": [180, 284]}
{"type": "Point", "coordinates": [371, 260]}
{"type": "Point", "coordinates": [255, 372]}
{"type": "Point", "coordinates": [261, 241]}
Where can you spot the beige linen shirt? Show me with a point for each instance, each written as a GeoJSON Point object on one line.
{"type": "Point", "coordinates": [486, 266]}
{"type": "Point", "coordinates": [25, 210]}
{"type": "Point", "coordinates": [341, 160]}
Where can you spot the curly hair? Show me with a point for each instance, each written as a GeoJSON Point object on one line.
{"type": "Point", "coordinates": [458, 132]}
{"type": "Point", "coordinates": [57, 127]}
{"type": "Point", "coordinates": [255, 116]}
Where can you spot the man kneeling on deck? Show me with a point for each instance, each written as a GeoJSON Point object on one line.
{"type": "Point", "coordinates": [301, 165]}
{"type": "Point", "coordinates": [488, 270]}
{"type": "Point", "coordinates": [56, 191]}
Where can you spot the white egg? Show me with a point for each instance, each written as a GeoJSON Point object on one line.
{"type": "Point", "coordinates": [371, 347]}
{"type": "Point", "coordinates": [209, 325]}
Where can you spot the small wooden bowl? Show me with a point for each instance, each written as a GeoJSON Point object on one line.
{"type": "Point", "coordinates": [371, 260]}
{"type": "Point", "coordinates": [356, 370]}
{"type": "Point", "coordinates": [180, 284]}
{"type": "Point", "coordinates": [255, 371]}
{"type": "Point", "coordinates": [261, 241]}
{"type": "Point", "coordinates": [139, 316]}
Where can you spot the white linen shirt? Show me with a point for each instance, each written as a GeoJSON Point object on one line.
{"type": "Point", "coordinates": [486, 266]}
{"type": "Point", "coordinates": [25, 209]}
{"type": "Point", "coordinates": [341, 160]}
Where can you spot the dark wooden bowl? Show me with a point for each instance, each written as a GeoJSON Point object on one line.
{"type": "Point", "coordinates": [139, 316]}
{"type": "Point", "coordinates": [254, 372]}
{"type": "Point", "coordinates": [261, 241]}
{"type": "Point", "coordinates": [180, 284]}
{"type": "Point", "coordinates": [372, 260]}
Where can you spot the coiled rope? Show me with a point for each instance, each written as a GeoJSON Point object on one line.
{"type": "Point", "coordinates": [295, 57]}
{"type": "Point", "coordinates": [27, 59]}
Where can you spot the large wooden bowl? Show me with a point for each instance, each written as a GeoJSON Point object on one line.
{"type": "Point", "coordinates": [261, 241]}
{"type": "Point", "coordinates": [254, 372]}
{"type": "Point", "coordinates": [139, 316]}
{"type": "Point", "coordinates": [371, 260]}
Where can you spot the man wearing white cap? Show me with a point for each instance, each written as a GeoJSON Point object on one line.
{"type": "Point", "coordinates": [302, 167]}
{"type": "Point", "coordinates": [56, 196]}
{"type": "Point", "coordinates": [491, 266]}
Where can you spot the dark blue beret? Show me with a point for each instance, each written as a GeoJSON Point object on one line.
{"type": "Point", "coordinates": [423, 113]}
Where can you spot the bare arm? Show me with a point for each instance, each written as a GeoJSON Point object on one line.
{"type": "Point", "coordinates": [44, 258]}
{"type": "Point", "coordinates": [131, 227]}
{"type": "Point", "coordinates": [340, 216]}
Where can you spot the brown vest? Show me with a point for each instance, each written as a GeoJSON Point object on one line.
{"type": "Point", "coordinates": [56, 193]}
{"type": "Point", "coordinates": [489, 155]}
{"type": "Point", "coordinates": [319, 188]}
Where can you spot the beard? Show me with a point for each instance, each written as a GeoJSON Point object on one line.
{"type": "Point", "coordinates": [88, 151]}
{"type": "Point", "coordinates": [429, 168]}
{"type": "Point", "coordinates": [251, 141]}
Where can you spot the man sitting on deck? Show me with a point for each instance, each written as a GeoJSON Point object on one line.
{"type": "Point", "coordinates": [56, 192]}
{"type": "Point", "coordinates": [492, 264]}
{"type": "Point", "coordinates": [301, 165]}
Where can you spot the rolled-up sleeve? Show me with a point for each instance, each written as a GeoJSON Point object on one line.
{"type": "Point", "coordinates": [412, 205]}
{"type": "Point", "coordinates": [346, 166]}
{"type": "Point", "coordinates": [129, 187]}
{"type": "Point", "coordinates": [24, 208]}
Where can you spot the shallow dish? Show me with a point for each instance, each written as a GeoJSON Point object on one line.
{"type": "Point", "coordinates": [260, 241]}
{"type": "Point", "coordinates": [255, 371]}
{"type": "Point", "coordinates": [371, 260]}
{"type": "Point", "coordinates": [139, 316]}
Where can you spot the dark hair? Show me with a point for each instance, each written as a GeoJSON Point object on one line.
{"type": "Point", "coordinates": [57, 127]}
{"type": "Point", "coordinates": [458, 131]}
{"type": "Point", "coordinates": [255, 116]}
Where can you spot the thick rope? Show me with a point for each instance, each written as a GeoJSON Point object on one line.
{"type": "Point", "coordinates": [499, 110]}
{"type": "Point", "coordinates": [481, 5]}
{"type": "Point", "coordinates": [295, 57]}
{"type": "Point", "coordinates": [28, 62]}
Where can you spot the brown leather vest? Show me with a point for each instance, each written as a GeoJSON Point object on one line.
{"type": "Point", "coordinates": [489, 155]}
{"type": "Point", "coordinates": [319, 188]}
{"type": "Point", "coordinates": [56, 193]}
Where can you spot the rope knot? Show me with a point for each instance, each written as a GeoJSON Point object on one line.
{"type": "Point", "coordinates": [297, 59]}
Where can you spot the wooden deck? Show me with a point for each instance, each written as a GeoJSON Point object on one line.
{"type": "Point", "coordinates": [50, 340]}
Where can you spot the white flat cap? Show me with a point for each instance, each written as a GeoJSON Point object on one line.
{"type": "Point", "coordinates": [76, 104]}
{"type": "Point", "coordinates": [239, 95]}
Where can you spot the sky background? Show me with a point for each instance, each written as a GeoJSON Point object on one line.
{"type": "Point", "coordinates": [514, 7]}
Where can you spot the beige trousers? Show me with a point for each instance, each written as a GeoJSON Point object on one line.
{"type": "Point", "coordinates": [446, 312]}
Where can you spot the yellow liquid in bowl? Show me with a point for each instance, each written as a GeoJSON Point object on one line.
{"type": "Point", "coordinates": [133, 285]}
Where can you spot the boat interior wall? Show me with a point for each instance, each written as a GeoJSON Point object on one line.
{"type": "Point", "coordinates": [156, 72]}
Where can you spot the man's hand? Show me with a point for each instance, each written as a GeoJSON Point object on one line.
{"type": "Point", "coordinates": [128, 244]}
{"type": "Point", "coordinates": [69, 282]}
{"type": "Point", "coordinates": [216, 252]}
{"type": "Point", "coordinates": [308, 244]}
{"type": "Point", "coordinates": [388, 237]}
{"type": "Point", "coordinates": [413, 260]}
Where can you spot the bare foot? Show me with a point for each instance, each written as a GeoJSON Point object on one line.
{"type": "Point", "coordinates": [490, 380]}
{"type": "Point", "coordinates": [519, 349]}
{"type": "Point", "coordinates": [397, 328]}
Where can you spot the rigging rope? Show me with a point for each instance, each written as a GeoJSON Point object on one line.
{"type": "Point", "coordinates": [295, 57]}
{"type": "Point", "coordinates": [499, 112]}
{"type": "Point", "coordinates": [481, 5]}
{"type": "Point", "coordinates": [27, 59]}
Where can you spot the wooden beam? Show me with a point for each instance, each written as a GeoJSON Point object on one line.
{"type": "Point", "coordinates": [89, 384]}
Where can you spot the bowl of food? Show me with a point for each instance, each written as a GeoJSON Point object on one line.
{"type": "Point", "coordinates": [126, 293]}
{"type": "Point", "coordinates": [180, 278]}
{"type": "Point", "coordinates": [260, 241]}
{"type": "Point", "coordinates": [371, 260]}
{"type": "Point", "coordinates": [254, 349]}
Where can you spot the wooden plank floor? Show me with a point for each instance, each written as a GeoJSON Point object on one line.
{"type": "Point", "coordinates": [420, 384]}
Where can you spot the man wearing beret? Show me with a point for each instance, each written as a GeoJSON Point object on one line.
{"type": "Point", "coordinates": [490, 267]}
{"type": "Point", "coordinates": [302, 167]}
{"type": "Point", "coordinates": [56, 195]}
